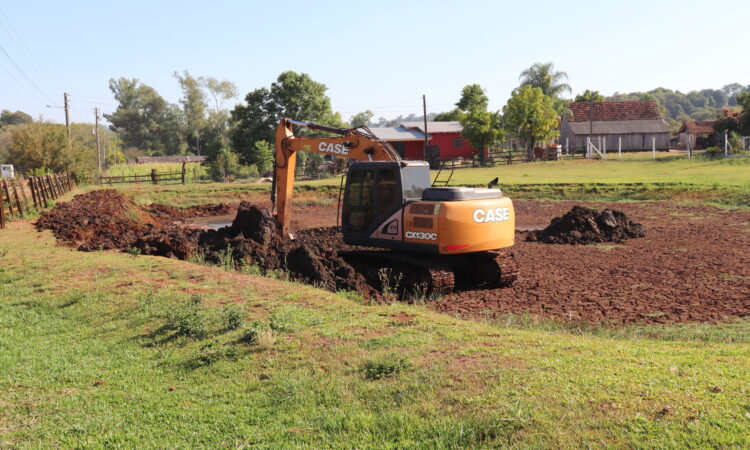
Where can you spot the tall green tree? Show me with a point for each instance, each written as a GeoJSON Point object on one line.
{"type": "Point", "coordinates": [543, 76]}
{"type": "Point", "coordinates": [472, 98]}
{"type": "Point", "coordinates": [530, 115]}
{"type": "Point", "coordinates": [483, 129]}
{"type": "Point", "coordinates": [143, 119]}
{"type": "Point", "coordinates": [293, 95]}
{"type": "Point", "coordinates": [363, 118]}
{"type": "Point", "coordinates": [193, 103]}
{"type": "Point", "coordinates": [218, 92]}
{"type": "Point", "coordinates": [589, 96]}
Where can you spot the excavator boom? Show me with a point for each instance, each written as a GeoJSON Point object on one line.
{"type": "Point", "coordinates": [352, 143]}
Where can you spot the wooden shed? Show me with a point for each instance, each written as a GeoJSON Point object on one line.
{"type": "Point", "coordinates": [634, 124]}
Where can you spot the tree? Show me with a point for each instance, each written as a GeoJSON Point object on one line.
{"type": "Point", "coordinates": [362, 119]}
{"type": "Point", "coordinates": [293, 95]}
{"type": "Point", "coordinates": [589, 96]}
{"type": "Point", "coordinates": [454, 115]}
{"type": "Point", "coordinates": [482, 129]}
{"type": "Point", "coordinates": [218, 116]}
{"type": "Point", "coordinates": [544, 77]}
{"type": "Point", "coordinates": [14, 118]}
{"type": "Point", "coordinates": [261, 156]}
{"type": "Point", "coordinates": [144, 119]}
{"type": "Point", "coordinates": [472, 98]}
{"type": "Point", "coordinates": [530, 115]}
{"type": "Point", "coordinates": [44, 147]}
{"type": "Point", "coordinates": [193, 103]}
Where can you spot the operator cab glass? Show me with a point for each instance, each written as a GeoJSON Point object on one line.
{"type": "Point", "coordinates": [375, 190]}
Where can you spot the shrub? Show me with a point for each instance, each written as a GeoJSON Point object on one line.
{"type": "Point", "coordinates": [376, 369]}
{"type": "Point", "coordinates": [232, 316]}
{"type": "Point", "coordinates": [188, 320]}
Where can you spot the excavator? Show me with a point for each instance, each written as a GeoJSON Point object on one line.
{"type": "Point", "coordinates": [425, 239]}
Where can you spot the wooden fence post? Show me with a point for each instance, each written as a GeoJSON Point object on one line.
{"type": "Point", "coordinates": [33, 192]}
{"type": "Point", "coordinates": [52, 192]}
{"type": "Point", "coordinates": [59, 185]}
{"type": "Point", "coordinates": [42, 190]}
{"type": "Point", "coordinates": [2, 209]}
{"type": "Point", "coordinates": [184, 172]}
{"type": "Point", "coordinates": [8, 197]}
{"type": "Point", "coordinates": [15, 195]}
{"type": "Point", "coordinates": [154, 176]}
{"type": "Point", "coordinates": [23, 194]}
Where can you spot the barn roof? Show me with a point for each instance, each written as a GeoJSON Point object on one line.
{"type": "Point", "coordinates": [703, 127]}
{"type": "Point", "coordinates": [620, 127]}
{"type": "Point", "coordinates": [607, 111]}
{"type": "Point", "coordinates": [397, 134]}
{"type": "Point", "coordinates": [435, 127]}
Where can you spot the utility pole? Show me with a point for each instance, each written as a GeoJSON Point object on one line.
{"type": "Point", "coordinates": [424, 111]}
{"type": "Point", "coordinates": [98, 145]}
{"type": "Point", "coordinates": [67, 114]}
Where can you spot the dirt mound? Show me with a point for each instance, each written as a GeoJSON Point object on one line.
{"type": "Point", "coordinates": [255, 223]}
{"type": "Point", "coordinates": [96, 220]}
{"type": "Point", "coordinates": [583, 225]}
{"type": "Point", "coordinates": [106, 219]}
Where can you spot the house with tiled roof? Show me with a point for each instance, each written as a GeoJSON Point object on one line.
{"type": "Point", "coordinates": [698, 135]}
{"type": "Point", "coordinates": [631, 126]}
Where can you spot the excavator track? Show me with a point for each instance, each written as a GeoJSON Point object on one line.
{"type": "Point", "coordinates": [408, 275]}
{"type": "Point", "coordinates": [414, 275]}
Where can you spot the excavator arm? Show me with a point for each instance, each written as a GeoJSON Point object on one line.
{"type": "Point", "coordinates": [351, 144]}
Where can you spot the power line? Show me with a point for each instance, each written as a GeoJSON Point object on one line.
{"type": "Point", "coordinates": [28, 54]}
{"type": "Point", "coordinates": [31, 82]}
{"type": "Point", "coordinates": [33, 94]}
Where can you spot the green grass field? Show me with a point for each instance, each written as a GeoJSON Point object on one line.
{"type": "Point", "coordinates": [719, 182]}
{"type": "Point", "coordinates": [109, 349]}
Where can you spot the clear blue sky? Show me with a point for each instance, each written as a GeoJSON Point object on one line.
{"type": "Point", "coordinates": [380, 55]}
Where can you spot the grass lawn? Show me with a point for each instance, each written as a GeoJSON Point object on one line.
{"type": "Point", "coordinates": [721, 182]}
{"type": "Point", "coordinates": [108, 349]}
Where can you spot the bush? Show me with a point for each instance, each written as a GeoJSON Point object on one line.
{"type": "Point", "coordinates": [225, 166]}
{"type": "Point", "coordinates": [232, 316]}
{"type": "Point", "coordinates": [384, 367]}
{"type": "Point", "coordinates": [188, 320]}
{"type": "Point", "coordinates": [712, 153]}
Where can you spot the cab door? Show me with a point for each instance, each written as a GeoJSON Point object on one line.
{"type": "Point", "coordinates": [373, 197]}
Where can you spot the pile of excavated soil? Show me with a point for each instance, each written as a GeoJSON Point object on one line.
{"type": "Point", "coordinates": [583, 225]}
{"type": "Point", "coordinates": [106, 219]}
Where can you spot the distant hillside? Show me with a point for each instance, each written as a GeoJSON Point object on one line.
{"type": "Point", "coordinates": [677, 107]}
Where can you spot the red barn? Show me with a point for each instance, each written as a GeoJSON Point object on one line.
{"type": "Point", "coordinates": [408, 143]}
{"type": "Point", "coordinates": [446, 136]}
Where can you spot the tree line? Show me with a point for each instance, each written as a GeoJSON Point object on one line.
{"type": "Point", "coordinates": [202, 123]}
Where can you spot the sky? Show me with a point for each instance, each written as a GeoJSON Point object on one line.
{"type": "Point", "coordinates": [382, 56]}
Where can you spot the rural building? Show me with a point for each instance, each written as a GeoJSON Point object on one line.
{"type": "Point", "coordinates": [408, 143]}
{"type": "Point", "coordinates": [635, 124]}
{"type": "Point", "coordinates": [445, 137]}
{"type": "Point", "coordinates": [701, 135]}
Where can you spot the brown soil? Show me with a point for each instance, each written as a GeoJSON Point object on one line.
{"type": "Point", "coordinates": [692, 266]}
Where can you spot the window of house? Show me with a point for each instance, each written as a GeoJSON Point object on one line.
{"type": "Point", "coordinates": [458, 142]}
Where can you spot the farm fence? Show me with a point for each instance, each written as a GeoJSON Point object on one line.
{"type": "Point", "coordinates": [19, 196]}
{"type": "Point", "coordinates": [154, 177]}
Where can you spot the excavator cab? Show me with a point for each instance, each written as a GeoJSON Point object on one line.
{"type": "Point", "coordinates": [375, 191]}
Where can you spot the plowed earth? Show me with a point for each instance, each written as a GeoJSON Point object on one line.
{"type": "Point", "coordinates": [691, 266]}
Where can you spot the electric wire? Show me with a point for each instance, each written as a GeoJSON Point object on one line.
{"type": "Point", "coordinates": [21, 44]}
{"type": "Point", "coordinates": [31, 82]}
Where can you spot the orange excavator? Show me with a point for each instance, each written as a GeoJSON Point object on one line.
{"type": "Point", "coordinates": [425, 239]}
